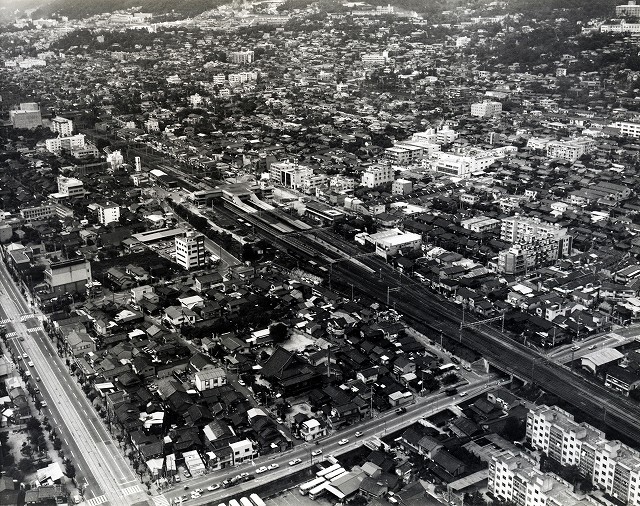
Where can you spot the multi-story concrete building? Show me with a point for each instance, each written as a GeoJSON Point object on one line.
{"type": "Point", "coordinates": [245, 56]}
{"type": "Point", "coordinates": [629, 9]}
{"type": "Point", "coordinates": [375, 59]}
{"type": "Point", "coordinates": [480, 224]}
{"type": "Point", "coordinates": [377, 175]}
{"type": "Point", "coordinates": [38, 213]}
{"type": "Point", "coordinates": [69, 143]}
{"type": "Point", "coordinates": [70, 187]}
{"type": "Point", "coordinates": [190, 250]}
{"type": "Point", "coordinates": [535, 243]}
{"type": "Point", "coordinates": [27, 115]}
{"type": "Point", "coordinates": [401, 187]}
{"type": "Point", "coordinates": [289, 175]}
{"type": "Point", "coordinates": [62, 126]}
{"type": "Point", "coordinates": [628, 128]}
{"type": "Point", "coordinates": [513, 477]}
{"type": "Point", "coordinates": [486, 109]}
{"type": "Point", "coordinates": [108, 213]}
{"type": "Point", "coordinates": [68, 275]}
{"type": "Point", "coordinates": [570, 149]}
{"type": "Point", "coordinates": [622, 27]}
{"type": "Point", "coordinates": [444, 135]}
{"type": "Point", "coordinates": [611, 465]}
{"type": "Point", "coordinates": [465, 163]}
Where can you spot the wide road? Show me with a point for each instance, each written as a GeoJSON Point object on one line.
{"type": "Point", "coordinates": [383, 424]}
{"type": "Point", "coordinates": [109, 477]}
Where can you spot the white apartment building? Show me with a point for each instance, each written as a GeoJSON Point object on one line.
{"type": "Point", "coordinates": [517, 229]}
{"type": "Point", "coordinates": [108, 213]}
{"type": "Point", "coordinates": [375, 59]}
{"type": "Point", "coordinates": [611, 465]}
{"type": "Point", "coordinates": [486, 109]}
{"type": "Point", "coordinates": [570, 149]}
{"type": "Point", "coordinates": [289, 175]}
{"type": "Point", "coordinates": [390, 242]}
{"type": "Point", "coordinates": [464, 164]}
{"type": "Point", "coordinates": [70, 187]}
{"type": "Point", "coordinates": [69, 143]}
{"type": "Point", "coordinates": [377, 175]}
{"type": "Point", "coordinates": [242, 451]}
{"type": "Point", "coordinates": [62, 126]}
{"type": "Point", "coordinates": [210, 378]}
{"type": "Point", "coordinates": [38, 213]}
{"type": "Point", "coordinates": [621, 27]}
{"type": "Point", "coordinates": [401, 187]}
{"type": "Point", "coordinates": [629, 9]}
{"type": "Point", "coordinates": [444, 135]}
{"type": "Point", "coordinates": [627, 127]}
{"type": "Point", "coordinates": [246, 56]}
{"type": "Point", "coordinates": [513, 477]}
{"type": "Point", "coordinates": [411, 151]}
{"type": "Point", "coordinates": [152, 125]}
{"type": "Point", "coordinates": [190, 250]}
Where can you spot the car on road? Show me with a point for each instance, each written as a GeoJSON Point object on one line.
{"type": "Point", "coordinates": [343, 442]}
{"type": "Point", "coordinates": [213, 487]}
{"type": "Point", "coordinates": [401, 410]}
{"type": "Point", "coordinates": [37, 378]}
{"type": "Point", "coordinates": [463, 394]}
{"type": "Point", "coordinates": [241, 382]}
{"type": "Point", "coordinates": [261, 470]}
{"type": "Point", "coordinates": [575, 348]}
{"type": "Point", "coordinates": [294, 462]}
{"type": "Point", "coordinates": [43, 404]}
{"type": "Point", "coordinates": [28, 373]}
{"type": "Point", "coordinates": [358, 434]}
{"type": "Point", "coordinates": [271, 467]}
{"type": "Point", "coordinates": [316, 452]}
{"type": "Point", "coordinates": [24, 355]}
{"type": "Point", "coordinates": [195, 495]}
{"type": "Point", "coordinates": [186, 474]}
{"type": "Point", "coordinates": [30, 363]}
{"type": "Point", "coordinates": [592, 347]}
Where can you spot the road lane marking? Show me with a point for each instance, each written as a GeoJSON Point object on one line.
{"type": "Point", "coordinates": [94, 501]}
{"type": "Point", "coordinates": [131, 490]}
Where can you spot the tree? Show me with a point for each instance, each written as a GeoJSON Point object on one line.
{"type": "Point", "coordinates": [25, 465]}
{"type": "Point", "coordinates": [278, 332]}
{"type": "Point", "coordinates": [69, 469]}
{"type": "Point", "coordinates": [450, 379]}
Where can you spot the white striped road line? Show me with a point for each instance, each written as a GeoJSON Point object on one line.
{"type": "Point", "coordinates": [131, 490]}
{"type": "Point", "coordinates": [12, 334]}
{"type": "Point", "coordinates": [94, 501]}
{"type": "Point", "coordinates": [6, 320]}
{"type": "Point", "coordinates": [160, 500]}
{"type": "Point", "coordinates": [34, 329]}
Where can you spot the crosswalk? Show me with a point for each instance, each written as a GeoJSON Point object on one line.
{"type": "Point", "coordinates": [34, 329]}
{"type": "Point", "coordinates": [94, 501]}
{"type": "Point", "coordinates": [12, 334]}
{"type": "Point", "coordinates": [29, 316]}
{"type": "Point", "coordinates": [5, 321]}
{"type": "Point", "coordinates": [131, 490]}
{"type": "Point", "coordinates": [160, 500]}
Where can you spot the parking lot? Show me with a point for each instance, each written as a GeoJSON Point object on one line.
{"type": "Point", "coordinates": [293, 498]}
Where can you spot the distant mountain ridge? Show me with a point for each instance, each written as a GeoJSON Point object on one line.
{"type": "Point", "coordinates": [78, 9]}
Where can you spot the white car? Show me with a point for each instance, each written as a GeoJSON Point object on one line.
{"type": "Point", "coordinates": [261, 470]}
{"type": "Point", "coordinates": [294, 462]}
{"type": "Point", "coordinates": [213, 487]}
{"type": "Point", "coordinates": [24, 355]}
{"type": "Point", "coordinates": [463, 394]}
{"type": "Point", "coordinates": [316, 452]}
{"type": "Point", "coordinates": [358, 434]}
{"type": "Point", "coordinates": [592, 347]}
{"type": "Point", "coordinates": [343, 441]}
{"type": "Point", "coordinates": [30, 363]}
{"type": "Point", "coordinates": [241, 382]}
{"type": "Point", "coordinates": [271, 467]}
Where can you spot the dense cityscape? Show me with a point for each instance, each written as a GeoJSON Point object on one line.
{"type": "Point", "coordinates": [292, 252]}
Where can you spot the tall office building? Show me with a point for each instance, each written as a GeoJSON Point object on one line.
{"type": "Point", "coordinates": [27, 115]}
{"type": "Point", "coordinates": [62, 126]}
{"type": "Point", "coordinates": [190, 250]}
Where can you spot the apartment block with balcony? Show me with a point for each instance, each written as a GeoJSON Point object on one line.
{"type": "Point", "coordinates": [62, 126]}
{"type": "Point", "coordinates": [571, 149]}
{"type": "Point", "coordinates": [108, 213]}
{"type": "Point", "coordinates": [377, 175]}
{"type": "Point", "coordinates": [486, 109]}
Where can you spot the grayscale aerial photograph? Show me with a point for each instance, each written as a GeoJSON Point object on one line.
{"type": "Point", "coordinates": [320, 252]}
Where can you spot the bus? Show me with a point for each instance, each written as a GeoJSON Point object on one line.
{"type": "Point", "coordinates": [327, 470]}
{"type": "Point", "coordinates": [447, 368]}
{"type": "Point", "coordinates": [256, 500]}
{"type": "Point", "coordinates": [233, 502]}
{"type": "Point", "coordinates": [333, 474]}
{"type": "Point", "coordinates": [314, 493]}
{"type": "Point", "coordinates": [305, 487]}
{"type": "Point", "coordinates": [245, 501]}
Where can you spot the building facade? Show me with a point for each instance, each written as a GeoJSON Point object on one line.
{"type": "Point", "coordinates": [69, 276]}
{"type": "Point", "coordinates": [289, 175]}
{"type": "Point", "coordinates": [108, 213]}
{"type": "Point", "coordinates": [27, 115]}
{"type": "Point", "coordinates": [62, 126]}
{"type": "Point", "coordinates": [246, 56]}
{"type": "Point", "coordinates": [377, 175]}
{"type": "Point", "coordinates": [190, 250]}
{"type": "Point", "coordinates": [486, 109]}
